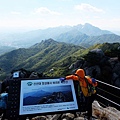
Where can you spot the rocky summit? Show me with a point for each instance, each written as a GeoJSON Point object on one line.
{"type": "Point", "coordinates": [99, 113]}
{"type": "Point", "coordinates": [96, 64]}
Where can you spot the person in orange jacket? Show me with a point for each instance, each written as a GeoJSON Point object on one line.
{"type": "Point", "coordinates": [89, 98]}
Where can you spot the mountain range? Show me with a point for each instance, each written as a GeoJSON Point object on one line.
{"type": "Point", "coordinates": [46, 56]}
{"type": "Point", "coordinates": [35, 52]}
{"type": "Point", "coordinates": [39, 57]}
{"type": "Point", "coordinates": [85, 35]}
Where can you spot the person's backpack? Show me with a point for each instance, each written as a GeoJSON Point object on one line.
{"type": "Point", "coordinates": [91, 87]}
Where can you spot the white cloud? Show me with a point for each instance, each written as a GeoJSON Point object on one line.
{"type": "Point", "coordinates": [45, 11]}
{"type": "Point", "coordinates": [15, 13]}
{"type": "Point", "coordinates": [88, 8]}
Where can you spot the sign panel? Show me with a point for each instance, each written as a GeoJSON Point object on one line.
{"type": "Point", "coordinates": [47, 95]}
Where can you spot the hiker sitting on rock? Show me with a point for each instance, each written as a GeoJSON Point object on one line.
{"type": "Point", "coordinates": [85, 81]}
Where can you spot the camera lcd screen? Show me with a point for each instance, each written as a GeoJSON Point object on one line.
{"type": "Point", "coordinates": [47, 95]}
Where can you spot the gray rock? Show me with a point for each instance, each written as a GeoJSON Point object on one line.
{"type": "Point", "coordinates": [55, 117]}
{"type": "Point", "coordinates": [117, 82]}
{"type": "Point", "coordinates": [40, 118]}
{"type": "Point", "coordinates": [79, 118]}
{"type": "Point", "coordinates": [93, 71]}
{"type": "Point", "coordinates": [98, 52]}
{"type": "Point", "coordinates": [116, 68]}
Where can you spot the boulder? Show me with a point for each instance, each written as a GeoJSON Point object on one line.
{"type": "Point", "coordinates": [93, 71]}
{"type": "Point", "coordinates": [108, 113]}
{"type": "Point", "coordinates": [98, 52]}
{"type": "Point", "coordinates": [94, 56]}
{"type": "Point", "coordinates": [99, 66]}
{"type": "Point", "coordinates": [116, 68]}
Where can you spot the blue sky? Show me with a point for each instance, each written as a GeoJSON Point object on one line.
{"type": "Point", "coordinates": [40, 14]}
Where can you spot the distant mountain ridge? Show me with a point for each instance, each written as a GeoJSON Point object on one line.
{"type": "Point", "coordinates": [87, 41]}
{"type": "Point", "coordinates": [80, 33]}
{"type": "Point", "coordinates": [90, 30]}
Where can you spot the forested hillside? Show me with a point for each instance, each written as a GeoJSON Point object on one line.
{"type": "Point", "coordinates": [39, 57]}
{"type": "Point", "coordinates": [50, 57]}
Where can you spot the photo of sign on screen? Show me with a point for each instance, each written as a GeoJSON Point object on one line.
{"type": "Point", "coordinates": [47, 95]}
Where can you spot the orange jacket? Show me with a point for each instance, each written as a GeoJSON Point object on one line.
{"type": "Point", "coordinates": [80, 76]}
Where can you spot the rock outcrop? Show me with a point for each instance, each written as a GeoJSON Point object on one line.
{"type": "Point", "coordinates": [99, 113]}
{"type": "Point", "coordinates": [96, 64]}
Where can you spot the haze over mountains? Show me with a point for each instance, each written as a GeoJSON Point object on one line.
{"type": "Point", "coordinates": [85, 35]}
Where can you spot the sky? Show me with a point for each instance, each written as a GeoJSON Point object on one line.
{"type": "Point", "coordinates": [25, 15]}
